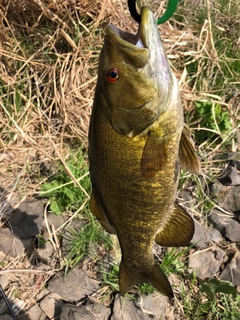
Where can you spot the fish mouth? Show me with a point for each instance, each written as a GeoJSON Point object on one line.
{"type": "Point", "coordinates": [137, 41]}
{"type": "Point", "coordinates": [141, 56]}
{"type": "Point", "coordinates": [143, 47]}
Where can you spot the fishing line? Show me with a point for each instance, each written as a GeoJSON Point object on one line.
{"type": "Point", "coordinates": [7, 303]}
{"type": "Point", "coordinates": [172, 6]}
{"type": "Point", "coordinates": [133, 11]}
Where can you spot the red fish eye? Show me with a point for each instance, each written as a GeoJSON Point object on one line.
{"type": "Point", "coordinates": [112, 75]}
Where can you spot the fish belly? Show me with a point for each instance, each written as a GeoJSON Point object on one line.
{"type": "Point", "coordinates": [136, 206]}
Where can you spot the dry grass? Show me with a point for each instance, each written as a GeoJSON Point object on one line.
{"type": "Point", "coordinates": [48, 73]}
{"type": "Point", "coordinates": [49, 56]}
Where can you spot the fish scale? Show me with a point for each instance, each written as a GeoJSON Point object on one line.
{"type": "Point", "coordinates": [137, 139]}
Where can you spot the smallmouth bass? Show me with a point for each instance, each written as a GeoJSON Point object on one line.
{"type": "Point", "coordinates": [137, 140]}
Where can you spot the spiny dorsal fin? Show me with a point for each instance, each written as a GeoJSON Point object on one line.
{"type": "Point", "coordinates": [154, 155]}
{"type": "Point", "coordinates": [178, 229]}
{"type": "Point", "coordinates": [187, 155]}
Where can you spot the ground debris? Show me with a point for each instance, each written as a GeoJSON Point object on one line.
{"type": "Point", "coordinates": [232, 271]}
{"type": "Point", "coordinates": [141, 308]}
{"type": "Point", "coordinates": [227, 225]}
{"type": "Point", "coordinates": [76, 313]}
{"type": "Point", "coordinates": [27, 220]}
{"type": "Point", "coordinates": [48, 69]}
{"type": "Point", "coordinates": [77, 279]}
{"type": "Point", "coordinates": [51, 305]}
{"type": "Point", "coordinates": [206, 263]}
{"type": "Point", "coordinates": [200, 237]}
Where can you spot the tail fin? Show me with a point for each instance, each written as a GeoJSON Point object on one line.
{"type": "Point", "coordinates": [153, 275]}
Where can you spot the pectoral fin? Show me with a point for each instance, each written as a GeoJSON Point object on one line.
{"type": "Point", "coordinates": [100, 215]}
{"type": "Point", "coordinates": [187, 156]}
{"type": "Point", "coordinates": [177, 231]}
{"type": "Point", "coordinates": [154, 155]}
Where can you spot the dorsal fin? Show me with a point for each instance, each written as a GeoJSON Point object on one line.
{"type": "Point", "coordinates": [188, 158]}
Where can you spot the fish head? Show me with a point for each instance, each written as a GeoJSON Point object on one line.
{"type": "Point", "coordinates": [134, 76]}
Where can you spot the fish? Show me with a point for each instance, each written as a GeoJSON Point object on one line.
{"type": "Point", "coordinates": [137, 143]}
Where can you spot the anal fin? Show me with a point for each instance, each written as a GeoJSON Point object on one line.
{"type": "Point", "coordinates": [99, 214]}
{"type": "Point", "coordinates": [177, 231]}
{"type": "Point", "coordinates": [188, 158]}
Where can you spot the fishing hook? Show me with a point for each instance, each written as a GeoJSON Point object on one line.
{"type": "Point", "coordinates": [172, 6]}
{"type": "Point", "coordinates": [133, 11]}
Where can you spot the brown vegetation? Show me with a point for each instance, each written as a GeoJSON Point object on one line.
{"type": "Point", "coordinates": [48, 69]}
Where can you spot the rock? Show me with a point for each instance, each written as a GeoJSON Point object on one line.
{"type": "Point", "coordinates": [227, 197]}
{"type": "Point", "coordinates": [35, 313]}
{"type": "Point", "coordinates": [3, 306]}
{"type": "Point", "coordinates": [206, 264]}
{"type": "Point", "coordinates": [231, 201]}
{"type": "Point", "coordinates": [2, 254]}
{"type": "Point", "coordinates": [26, 221]}
{"type": "Point", "coordinates": [51, 305]}
{"type": "Point", "coordinates": [219, 255]}
{"type": "Point", "coordinates": [70, 312]}
{"type": "Point", "coordinates": [157, 250]}
{"type": "Point", "coordinates": [151, 307]}
{"type": "Point", "coordinates": [11, 245]}
{"type": "Point", "coordinates": [186, 196]}
{"type": "Point", "coordinates": [215, 188]}
{"type": "Point", "coordinates": [155, 304]}
{"type": "Point", "coordinates": [228, 226]}
{"type": "Point", "coordinates": [4, 281]}
{"type": "Point", "coordinates": [232, 271]}
{"type": "Point", "coordinates": [230, 177]}
{"type": "Point", "coordinates": [215, 235]}
{"type": "Point", "coordinates": [235, 163]}
{"type": "Point", "coordinates": [74, 286]}
{"type": "Point", "coordinates": [124, 309]}
{"type": "Point", "coordinates": [46, 251]}
{"type": "Point", "coordinates": [226, 156]}
{"type": "Point", "coordinates": [42, 294]}
{"type": "Point", "coordinates": [76, 224]}
{"type": "Point", "coordinates": [100, 311]}
{"type": "Point", "coordinates": [200, 236]}
{"type": "Point", "coordinates": [6, 317]}
{"type": "Point", "coordinates": [54, 219]}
